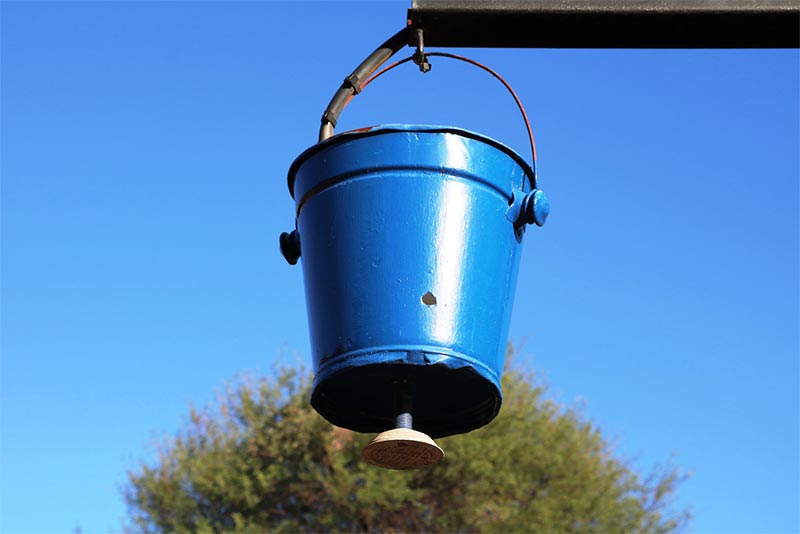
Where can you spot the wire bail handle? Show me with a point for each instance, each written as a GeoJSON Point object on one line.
{"type": "Point", "coordinates": [353, 84]}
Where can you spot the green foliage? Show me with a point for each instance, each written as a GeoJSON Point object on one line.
{"type": "Point", "coordinates": [264, 461]}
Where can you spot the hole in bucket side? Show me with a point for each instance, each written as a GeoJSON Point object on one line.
{"type": "Point", "coordinates": [429, 299]}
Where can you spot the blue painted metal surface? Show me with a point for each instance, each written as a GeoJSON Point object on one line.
{"type": "Point", "coordinates": [411, 238]}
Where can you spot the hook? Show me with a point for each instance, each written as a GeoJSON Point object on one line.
{"type": "Point", "coordinates": [419, 56]}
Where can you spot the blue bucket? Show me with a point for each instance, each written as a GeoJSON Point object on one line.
{"type": "Point", "coordinates": [410, 239]}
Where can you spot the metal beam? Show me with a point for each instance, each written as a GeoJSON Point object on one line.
{"type": "Point", "coordinates": [608, 23]}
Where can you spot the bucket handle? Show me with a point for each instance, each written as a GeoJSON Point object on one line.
{"type": "Point", "coordinates": [532, 208]}
{"type": "Point", "coordinates": [353, 84]}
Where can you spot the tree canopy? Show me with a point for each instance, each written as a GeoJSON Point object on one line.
{"type": "Point", "coordinates": [261, 460]}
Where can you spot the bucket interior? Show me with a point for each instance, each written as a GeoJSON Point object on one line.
{"type": "Point", "coordinates": [446, 400]}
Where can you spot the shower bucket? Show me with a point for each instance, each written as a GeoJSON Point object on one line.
{"type": "Point", "coordinates": [410, 238]}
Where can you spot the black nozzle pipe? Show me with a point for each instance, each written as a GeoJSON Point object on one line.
{"type": "Point", "coordinates": [352, 84]}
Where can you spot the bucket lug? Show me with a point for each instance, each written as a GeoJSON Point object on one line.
{"type": "Point", "coordinates": [290, 246]}
{"type": "Point", "coordinates": [515, 207]}
{"type": "Point", "coordinates": [535, 208]}
{"type": "Point", "coordinates": [530, 208]}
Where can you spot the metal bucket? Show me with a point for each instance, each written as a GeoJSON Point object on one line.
{"type": "Point", "coordinates": [410, 239]}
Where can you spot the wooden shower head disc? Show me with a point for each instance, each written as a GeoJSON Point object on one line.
{"type": "Point", "coordinates": [402, 448]}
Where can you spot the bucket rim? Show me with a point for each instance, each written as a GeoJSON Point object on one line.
{"type": "Point", "coordinates": [379, 129]}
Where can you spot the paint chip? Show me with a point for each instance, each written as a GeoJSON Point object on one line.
{"type": "Point", "coordinates": [429, 299]}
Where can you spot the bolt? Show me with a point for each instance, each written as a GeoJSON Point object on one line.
{"type": "Point", "coordinates": [402, 404]}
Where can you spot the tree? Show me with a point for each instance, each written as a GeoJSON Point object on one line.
{"type": "Point", "coordinates": [263, 461]}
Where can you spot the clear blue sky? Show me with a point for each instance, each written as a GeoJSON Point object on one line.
{"type": "Point", "coordinates": [144, 156]}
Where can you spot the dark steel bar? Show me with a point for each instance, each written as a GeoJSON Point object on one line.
{"type": "Point", "coordinates": [608, 23]}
